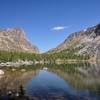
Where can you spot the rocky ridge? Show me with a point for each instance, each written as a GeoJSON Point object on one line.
{"type": "Point", "coordinates": [86, 41]}
{"type": "Point", "coordinates": [15, 40]}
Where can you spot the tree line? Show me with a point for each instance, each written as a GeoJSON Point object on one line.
{"type": "Point", "coordinates": [64, 55]}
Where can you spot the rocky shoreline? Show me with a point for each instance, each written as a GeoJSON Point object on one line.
{"type": "Point", "coordinates": [16, 64]}
{"type": "Point", "coordinates": [26, 62]}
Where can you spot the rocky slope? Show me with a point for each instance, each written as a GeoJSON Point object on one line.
{"type": "Point", "coordinates": [86, 42]}
{"type": "Point", "coordinates": [15, 40]}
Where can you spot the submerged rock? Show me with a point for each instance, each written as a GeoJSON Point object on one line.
{"type": "Point", "coordinates": [1, 72]}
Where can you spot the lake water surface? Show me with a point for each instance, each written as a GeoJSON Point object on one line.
{"type": "Point", "coordinates": [58, 82]}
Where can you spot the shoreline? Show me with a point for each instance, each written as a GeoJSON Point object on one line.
{"type": "Point", "coordinates": [21, 62]}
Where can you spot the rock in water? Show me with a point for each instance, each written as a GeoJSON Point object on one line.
{"type": "Point", "coordinates": [1, 72]}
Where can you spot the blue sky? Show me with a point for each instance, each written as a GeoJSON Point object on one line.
{"type": "Point", "coordinates": [48, 22]}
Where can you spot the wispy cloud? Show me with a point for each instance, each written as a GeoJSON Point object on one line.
{"type": "Point", "coordinates": [58, 28]}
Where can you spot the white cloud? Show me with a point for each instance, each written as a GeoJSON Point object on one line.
{"type": "Point", "coordinates": [58, 28]}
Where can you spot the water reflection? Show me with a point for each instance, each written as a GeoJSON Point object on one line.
{"type": "Point", "coordinates": [46, 84]}
{"type": "Point", "coordinates": [60, 82]}
{"type": "Point", "coordinates": [12, 80]}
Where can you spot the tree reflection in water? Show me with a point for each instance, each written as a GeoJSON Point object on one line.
{"type": "Point", "coordinates": [81, 77]}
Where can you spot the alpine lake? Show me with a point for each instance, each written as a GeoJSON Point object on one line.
{"type": "Point", "coordinates": [73, 81]}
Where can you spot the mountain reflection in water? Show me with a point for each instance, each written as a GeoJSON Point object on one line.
{"type": "Point", "coordinates": [59, 82]}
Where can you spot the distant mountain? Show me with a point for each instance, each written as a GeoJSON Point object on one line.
{"type": "Point", "coordinates": [15, 40]}
{"type": "Point", "coordinates": [85, 42]}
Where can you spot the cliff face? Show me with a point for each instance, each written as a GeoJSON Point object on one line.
{"type": "Point", "coordinates": [15, 40]}
{"type": "Point", "coordinates": [86, 42]}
